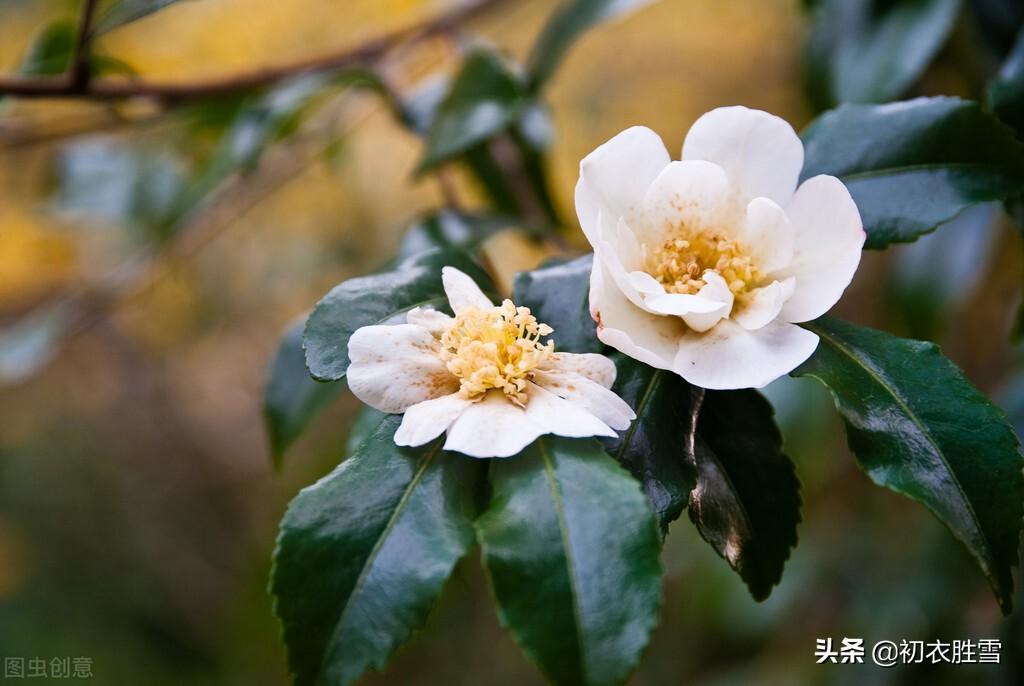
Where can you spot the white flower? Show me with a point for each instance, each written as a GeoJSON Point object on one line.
{"type": "Point", "coordinates": [483, 376]}
{"type": "Point", "coordinates": [703, 266]}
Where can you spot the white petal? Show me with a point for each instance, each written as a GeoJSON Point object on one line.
{"type": "Point", "coordinates": [425, 421]}
{"type": "Point", "coordinates": [589, 395]}
{"type": "Point", "coordinates": [829, 238]}
{"type": "Point", "coordinates": [728, 356]}
{"type": "Point", "coordinates": [613, 245]}
{"type": "Point", "coordinates": [615, 177]}
{"type": "Point", "coordinates": [462, 291]}
{"type": "Point", "coordinates": [625, 327]}
{"type": "Point", "coordinates": [395, 367]}
{"type": "Point", "coordinates": [561, 417]}
{"type": "Point", "coordinates": [695, 194]}
{"type": "Point", "coordinates": [645, 284]}
{"type": "Point", "coordinates": [760, 152]}
{"type": "Point", "coordinates": [595, 367]}
{"type": "Point", "coordinates": [678, 304]}
{"type": "Point", "coordinates": [714, 290]}
{"type": "Point", "coordinates": [768, 234]}
{"type": "Point", "coordinates": [762, 305]}
{"type": "Point", "coordinates": [492, 427]}
{"type": "Point", "coordinates": [432, 320]}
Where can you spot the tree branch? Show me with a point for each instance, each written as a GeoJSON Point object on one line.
{"type": "Point", "coordinates": [78, 73]}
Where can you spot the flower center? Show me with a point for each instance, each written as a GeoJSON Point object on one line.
{"type": "Point", "coordinates": [680, 262]}
{"type": "Point", "coordinates": [498, 347]}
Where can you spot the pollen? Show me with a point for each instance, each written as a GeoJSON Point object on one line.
{"type": "Point", "coordinates": [497, 347]}
{"type": "Point", "coordinates": [681, 260]}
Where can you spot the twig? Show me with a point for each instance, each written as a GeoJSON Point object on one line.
{"type": "Point", "coordinates": [79, 72]}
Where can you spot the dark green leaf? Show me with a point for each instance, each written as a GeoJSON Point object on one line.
{"type": "Point", "coordinates": [912, 166]}
{"type": "Point", "coordinates": [365, 423]}
{"type": "Point", "coordinates": [377, 299]}
{"type": "Point", "coordinates": [571, 548]}
{"type": "Point", "coordinates": [919, 427]}
{"type": "Point", "coordinates": [747, 500]}
{"type": "Point", "coordinates": [1006, 92]}
{"type": "Point", "coordinates": [655, 446]}
{"type": "Point", "coordinates": [485, 99]}
{"type": "Point", "coordinates": [124, 12]}
{"type": "Point", "coordinates": [873, 51]}
{"type": "Point", "coordinates": [450, 229]}
{"type": "Point", "coordinates": [566, 25]}
{"type": "Point", "coordinates": [50, 52]}
{"type": "Point", "coordinates": [292, 397]}
{"type": "Point", "coordinates": [558, 295]}
{"type": "Point", "coordinates": [363, 554]}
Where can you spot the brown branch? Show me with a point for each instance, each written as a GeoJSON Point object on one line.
{"type": "Point", "coordinates": [68, 86]}
{"type": "Point", "coordinates": [78, 71]}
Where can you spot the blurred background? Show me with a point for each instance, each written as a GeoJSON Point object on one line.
{"type": "Point", "coordinates": [138, 501]}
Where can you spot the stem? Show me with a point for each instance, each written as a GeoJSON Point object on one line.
{"type": "Point", "coordinates": [79, 73]}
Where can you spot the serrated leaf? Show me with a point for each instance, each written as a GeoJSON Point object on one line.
{"type": "Point", "coordinates": [124, 12]}
{"type": "Point", "coordinates": [746, 503]}
{"type": "Point", "coordinates": [1006, 92]}
{"type": "Point", "coordinates": [656, 445]}
{"type": "Point", "coordinates": [363, 554]}
{"type": "Point", "coordinates": [571, 548]}
{"type": "Point", "coordinates": [377, 299]}
{"type": "Point", "coordinates": [871, 51]}
{"type": "Point", "coordinates": [558, 294]}
{"type": "Point", "coordinates": [566, 25]}
{"type": "Point", "coordinates": [912, 166]}
{"type": "Point", "coordinates": [917, 426]}
{"type": "Point", "coordinates": [291, 397]}
{"type": "Point", "coordinates": [449, 229]}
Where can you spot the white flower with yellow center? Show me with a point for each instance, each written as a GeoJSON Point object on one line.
{"type": "Point", "coordinates": [483, 376]}
{"type": "Point", "coordinates": [704, 266]}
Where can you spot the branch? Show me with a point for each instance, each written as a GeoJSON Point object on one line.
{"type": "Point", "coordinates": [74, 86]}
{"type": "Point", "coordinates": [78, 72]}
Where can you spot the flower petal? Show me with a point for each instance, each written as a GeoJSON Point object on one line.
{"type": "Point", "coordinates": [595, 367]}
{"type": "Point", "coordinates": [434, 321]}
{"type": "Point", "coordinates": [615, 177]}
{"type": "Point", "coordinates": [694, 193]}
{"type": "Point", "coordinates": [492, 427]}
{"type": "Point", "coordinates": [768, 235]}
{"type": "Point", "coordinates": [462, 291]}
{"type": "Point", "coordinates": [762, 305]}
{"type": "Point", "coordinates": [728, 356]}
{"type": "Point", "coordinates": [425, 421]}
{"type": "Point", "coordinates": [563, 418]}
{"type": "Point", "coordinates": [588, 395]}
{"type": "Point", "coordinates": [395, 367]}
{"type": "Point", "coordinates": [760, 152]}
{"type": "Point", "coordinates": [829, 237]}
{"type": "Point", "coordinates": [717, 290]}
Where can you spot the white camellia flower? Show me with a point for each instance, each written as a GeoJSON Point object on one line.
{"type": "Point", "coordinates": [483, 376]}
{"type": "Point", "coordinates": [704, 266]}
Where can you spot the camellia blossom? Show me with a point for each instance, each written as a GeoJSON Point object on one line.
{"type": "Point", "coordinates": [483, 376]}
{"type": "Point", "coordinates": [704, 266]}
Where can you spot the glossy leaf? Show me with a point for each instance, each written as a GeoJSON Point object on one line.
{"type": "Point", "coordinates": [912, 166]}
{"type": "Point", "coordinates": [1006, 92]}
{"type": "Point", "coordinates": [873, 51]}
{"type": "Point", "coordinates": [486, 98]}
{"type": "Point", "coordinates": [377, 299]}
{"type": "Point", "coordinates": [366, 421]}
{"type": "Point", "coordinates": [363, 554]}
{"type": "Point", "coordinates": [746, 503]}
{"type": "Point", "coordinates": [449, 229]}
{"type": "Point", "coordinates": [571, 549]}
{"type": "Point", "coordinates": [124, 12]}
{"type": "Point", "coordinates": [656, 445]}
{"type": "Point", "coordinates": [558, 295]}
{"type": "Point", "coordinates": [292, 398]}
{"type": "Point", "coordinates": [566, 25]}
{"type": "Point", "coordinates": [919, 427]}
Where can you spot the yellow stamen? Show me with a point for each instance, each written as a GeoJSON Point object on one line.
{"type": "Point", "coordinates": [682, 259]}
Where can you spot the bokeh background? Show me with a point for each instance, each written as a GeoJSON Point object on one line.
{"type": "Point", "coordinates": [138, 504]}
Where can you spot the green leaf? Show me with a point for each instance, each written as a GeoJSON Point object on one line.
{"type": "Point", "coordinates": [566, 25]}
{"type": "Point", "coordinates": [912, 166]}
{"type": "Point", "coordinates": [365, 423]}
{"type": "Point", "coordinates": [50, 52]}
{"type": "Point", "coordinates": [919, 427]}
{"type": "Point", "coordinates": [559, 295]}
{"type": "Point", "coordinates": [124, 12]}
{"type": "Point", "coordinates": [486, 98]}
{"type": "Point", "coordinates": [363, 554]}
{"type": "Point", "coordinates": [656, 445]}
{"type": "Point", "coordinates": [571, 549]}
{"type": "Point", "coordinates": [873, 50]}
{"type": "Point", "coordinates": [451, 230]}
{"type": "Point", "coordinates": [746, 503]}
{"type": "Point", "coordinates": [1006, 92]}
{"type": "Point", "coordinates": [377, 299]}
{"type": "Point", "coordinates": [292, 397]}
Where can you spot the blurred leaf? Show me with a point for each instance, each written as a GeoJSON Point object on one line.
{"type": "Point", "coordinates": [559, 295]}
{"type": "Point", "coordinates": [655, 446]}
{"type": "Point", "coordinates": [450, 229]}
{"type": "Point", "coordinates": [50, 52]}
{"type": "Point", "coordinates": [746, 503]}
{"type": "Point", "coordinates": [919, 427]}
{"type": "Point", "coordinates": [123, 12]}
{"type": "Point", "coordinates": [363, 554]}
{"type": "Point", "coordinates": [365, 423]}
{"type": "Point", "coordinates": [566, 25]}
{"type": "Point", "coordinates": [485, 99]}
{"type": "Point", "coordinates": [1006, 92]}
{"type": "Point", "coordinates": [571, 550]}
{"type": "Point", "coordinates": [28, 345]}
{"type": "Point", "coordinates": [377, 299]}
{"type": "Point", "coordinates": [873, 50]}
{"type": "Point", "coordinates": [912, 166]}
{"type": "Point", "coordinates": [999, 21]}
{"type": "Point", "coordinates": [292, 397]}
